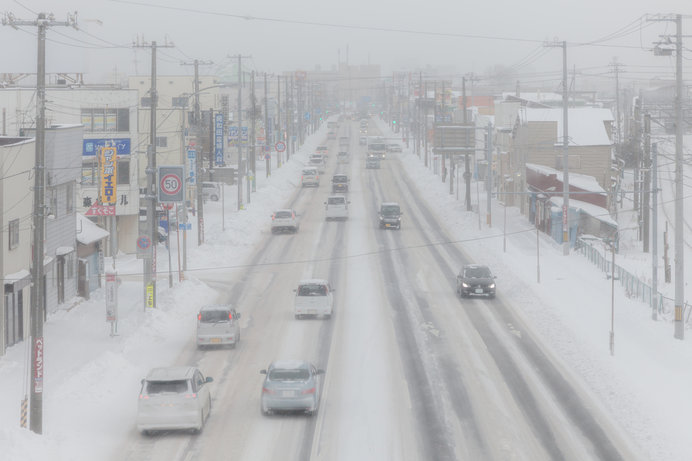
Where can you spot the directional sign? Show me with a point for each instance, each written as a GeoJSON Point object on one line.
{"type": "Point", "coordinates": [280, 146]}
{"type": "Point", "coordinates": [171, 184]}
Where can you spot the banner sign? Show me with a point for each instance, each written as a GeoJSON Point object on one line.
{"type": "Point", "coordinates": [108, 166]}
{"type": "Point", "coordinates": [111, 297]}
{"type": "Point", "coordinates": [192, 166]}
{"type": "Point", "coordinates": [218, 139]}
{"type": "Point", "coordinates": [90, 147]}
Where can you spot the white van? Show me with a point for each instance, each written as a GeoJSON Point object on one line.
{"type": "Point", "coordinates": [336, 207]}
{"type": "Point", "coordinates": [313, 297]}
{"type": "Point", "coordinates": [211, 191]}
{"type": "Point", "coordinates": [218, 325]}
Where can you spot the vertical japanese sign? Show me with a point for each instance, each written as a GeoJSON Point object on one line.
{"type": "Point", "coordinates": [38, 365]}
{"type": "Point", "coordinates": [218, 139]}
{"type": "Point", "coordinates": [233, 135]}
{"type": "Point", "coordinates": [192, 166]}
{"type": "Point", "coordinates": [109, 165]}
{"type": "Point", "coordinates": [244, 135]}
{"type": "Point", "coordinates": [111, 297]}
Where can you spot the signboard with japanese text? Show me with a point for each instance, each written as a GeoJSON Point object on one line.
{"type": "Point", "coordinates": [233, 134]}
{"type": "Point", "coordinates": [90, 147]}
{"type": "Point", "coordinates": [218, 139]}
{"type": "Point", "coordinates": [244, 135]}
{"type": "Point", "coordinates": [100, 210]}
{"type": "Point", "coordinates": [38, 365]}
{"type": "Point", "coordinates": [111, 297]}
{"type": "Point", "coordinates": [108, 166]}
{"type": "Point", "coordinates": [192, 166]}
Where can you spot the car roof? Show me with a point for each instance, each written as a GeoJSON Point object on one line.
{"type": "Point", "coordinates": [216, 307]}
{"type": "Point", "coordinates": [290, 364]}
{"type": "Point", "coordinates": [284, 209]}
{"type": "Point", "coordinates": [170, 373]}
{"type": "Point", "coordinates": [313, 282]}
{"type": "Point", "coordinates": [390, 204]}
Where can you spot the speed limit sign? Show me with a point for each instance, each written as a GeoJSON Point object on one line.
{"type": "Point", "coordinates": [171, 185]}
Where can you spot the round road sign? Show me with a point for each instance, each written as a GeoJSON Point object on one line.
{"type": "Point", "coordinates": [143, 242]}
{"type": "Point", "coordinates": [171, 184]}
{"type": "Point", "coordinates": [280, 146]}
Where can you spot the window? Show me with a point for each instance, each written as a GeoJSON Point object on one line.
{"type": "Point", "coordinates": [89, 173]}
{"type": "Point", "coordinates": [53, 193]}
{"type": "Point", "coordinates": [161, 141]}
{"type": "Point", "coordinates": [124, 171]}
{"type": "Point", "coordinates": [105, 119]}
{"type": "Point", "coordinates": [14, 233]}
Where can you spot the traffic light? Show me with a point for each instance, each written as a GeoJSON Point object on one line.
{"type": "Point", "coordinates": [394, 122]}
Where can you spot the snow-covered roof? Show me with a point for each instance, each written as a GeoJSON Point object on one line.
{"type": "Point", "coordinates": [17, 276]}
{"type": "Point", "coordinates": [88, 232]}
{"type": "Point", "coordinates": [61, 251]}
{"type": "Point", "coordinates": [592, 210]}
{"type": "Point", "coordinates": [534, 96]}
{"type": "Point", "coordinates": [313, 282]}
{"type": "Point", "coordinates": [582, 181]}
{"type": "Point", "coordinates": [586, 127]}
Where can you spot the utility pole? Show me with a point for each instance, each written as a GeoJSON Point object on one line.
{"type": "Point", "coordinates": [252, 139]}
{"type": "Point", "coordinates": [618, 132]}
{"type": "Point", "coordinates": [646, 183]}
{"type": "Point", "coordinates": [267, 129]}
{"type": "Point", "coordinates": [149, 275]}
{"type": "Point", "coordinates": [289, 131]}
{"type": "Point", "coordinates": [37, 314]}
{"type": "Point", "coordinates": [467, 160]}
{"type": "Point", "coordinates": [241, 166]}
{"type": "Point", "coordinates": [279, 131]}
{"type": "Point", "coordinates": [638, 157]}
{"type": "Point", "coordinates": [679, 330]}
{"type": "Point", "coordinates": [198, 152]}
{"type": "Point", "coordinates": [654, 231]}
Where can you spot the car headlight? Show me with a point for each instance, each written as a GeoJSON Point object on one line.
{"type": "Point", "coordinates": [464, 284]}
{"type": "Point", "coordinates": [398, 218]}
{"type": "Point", "coordinates": [381, 218]}
{"type": "Point", "coordinates": [491, 286]}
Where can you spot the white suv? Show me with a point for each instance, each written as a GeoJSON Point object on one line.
{"type": "Point", "coordinates": [285, 220]}
{"type": "Point", "coordinates": [313, 297]}
{"type": "Point", "coordinates": [336, 207]}
{"type": "Point", "coordinates": [218, 325]}
{"type": "Point", "coordinates": [310, 177]}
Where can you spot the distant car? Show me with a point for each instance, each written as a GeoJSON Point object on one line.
{"type": "Point", "coordinates": [324, 150]}
{"type": "Point", "coordinates": [475, 280]}
{"type": "Point", "coordinates": [336, 207]}
{"type": "Point", "coordinates": [363, 140]}
{"type": "Point", "coordinates": [342, 157]}
{"type": "Point", "coordinates": [285, 220]}
{"type": "Point", "coordinates": [331, 135]}
{"type": "Point", "coordinates": [318, 161]}
{"type": "Point", "coordinates": [393, 148]}
{"type": "Point", "coordinates": [340, 183]}
{"type": "Point", "coordinates": [310, 177]}
{"type": "Point", "coordinates": [291, 385]}
{"type": "Point", "coordinates": [218, 325]}
{"type": "Point", "coordinates": [173, 398]}
{"type": "Point", "coordinates": [313, 297]}
{"type": "Point", "coordinates": [372, 161]}
{"type": "Point", "coordinates": [211, 191]}
{"type": "Point", "coordinates": [389, 216]}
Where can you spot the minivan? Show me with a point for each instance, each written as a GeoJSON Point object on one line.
{"type": "Point", "coordinates": [211, 191]}
{"type": "Point", "coordinates": [217, 325]}
{"type": "Point", "coordinates": [336, 207]}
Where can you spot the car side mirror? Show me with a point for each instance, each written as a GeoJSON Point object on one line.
{"type": "Point", "coordinates": [209, 379]}
{"type": "Point", "coordinates": [263, 372]}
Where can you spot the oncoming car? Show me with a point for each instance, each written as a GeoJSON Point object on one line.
{"type": "Point", "coordinates": [475, 280]}
{"type": "Point", "coordinates": [291, 385]}
{"type": "Point", "coordinates": [173, 398]}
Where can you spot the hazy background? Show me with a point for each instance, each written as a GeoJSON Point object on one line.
{"type": "Point", "coordinates": [206, 30]}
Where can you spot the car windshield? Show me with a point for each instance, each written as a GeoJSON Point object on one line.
{"type": "Point", "coordinates": [213, 316]}
{"type": "Point", "coordinates": [309, 172]}
{"type": "Point", "coordinates": [283, 214]}
{"type": "Point", "coordinates": [477, 272]}
{"type": "Point", "coordinates": [296, 374]}
{"type": "Point", "coordinates": [166, 387]}
{"type": "Point", "coordinates": [312, 290]}
{"type": "Point", "coordinates": [340, 178]}
{"type": "Point", "coordinates": [335, 201]}
{"type": "Point", "coordinates": [390, 210]}
{"type": "Point", "coordinates": [376, 146]}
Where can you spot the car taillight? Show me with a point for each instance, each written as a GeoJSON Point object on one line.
{"type": "Point", "coordinates": [309, 391]}
{"type": "Point", "coordinates": [268, 391]}
{"type": "Point", "coordinates": [230, 316]}
{"type": "Point", "coordinates": [199, 317]}
{"type": "Point", "coordinates": [191, 396]}
{"type": "Point", "coordinates": [301, 178]}
{"type": "Point", "coordinates": [143, 397]}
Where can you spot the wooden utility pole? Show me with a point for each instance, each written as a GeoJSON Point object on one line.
{"type": "Point", "coordinates": [267, 129]}
{"type": "Point", "coordinates": [37, 313]}
{"type": "Point", "coordinates": [646, 184]}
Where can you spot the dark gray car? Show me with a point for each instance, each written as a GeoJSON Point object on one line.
{"type": "Point", "coordinates": [475, 280]}
{"type": "Point", "coordinates": [291, 385]}
{"type": "Point", "coordinates": [389, 216]}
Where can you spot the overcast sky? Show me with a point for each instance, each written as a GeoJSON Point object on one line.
{"type": "Point", "coordinates": [455, 36]}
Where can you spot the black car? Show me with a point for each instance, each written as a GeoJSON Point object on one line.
{"type": "Point", "coordinates": [339, 183]}
{"type": "Point", "coordinates": [475, 280]}
{"type": "Point", "coordinates": [389, 216]}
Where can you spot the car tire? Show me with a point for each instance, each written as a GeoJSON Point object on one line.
{"type": "Point", "coordinates": [265, 411]}
{"type": "Point", "coordinates": [147, 433]}
{"type": "Point", "coordinates": [328, 316]}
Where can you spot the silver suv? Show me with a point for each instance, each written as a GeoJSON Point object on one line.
{"type": "Point", "coordinates": [218, 325]}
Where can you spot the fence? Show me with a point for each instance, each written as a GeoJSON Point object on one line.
{"type": "Point", "coordinates": [634, 287]}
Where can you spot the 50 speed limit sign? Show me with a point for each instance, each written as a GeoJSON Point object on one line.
{"type": "Point", "coordinates": [171, 184]}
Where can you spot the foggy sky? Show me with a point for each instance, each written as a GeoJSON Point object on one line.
{"type": "Point", "coordinates": [513, 31]}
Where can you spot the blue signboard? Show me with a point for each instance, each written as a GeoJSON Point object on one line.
{"type": "Point", "coordinates": [233, 134]}
{"type": "Point", "coordinates": [244, 135]}
{"type": "Point", "coordinates": [218, 139]}
{"type": "Point", "coordinates": [192, 166]}
{"type": "Point", "coordinates": [90, 147]}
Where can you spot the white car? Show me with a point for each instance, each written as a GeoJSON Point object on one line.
{"type": "Point", "coordinates": [336, 207]}
{"type": "Point", "coordinates": [318, 161]}
{"type": "Point", "coordinates": [313, 297]}
{"type": "Point", "coordinates": [217, 325]}
{"type": "Point", "coordinates": [173, 398]}
{"type": "Point", "coordinates": [285, 220]}
{"type": "Point", "coordinates": [310, 177]}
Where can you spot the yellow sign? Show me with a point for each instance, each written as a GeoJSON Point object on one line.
{"type": "Point", "coordinates": [109, 169]}
{"type": "Point", "coordinates": [150, 295]}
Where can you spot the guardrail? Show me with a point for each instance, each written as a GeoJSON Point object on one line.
{"type": "Point", "coordinates": [634, 286]}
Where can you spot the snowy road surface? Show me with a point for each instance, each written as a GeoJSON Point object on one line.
{"type": "Point", "coordinates": [412, 372]}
